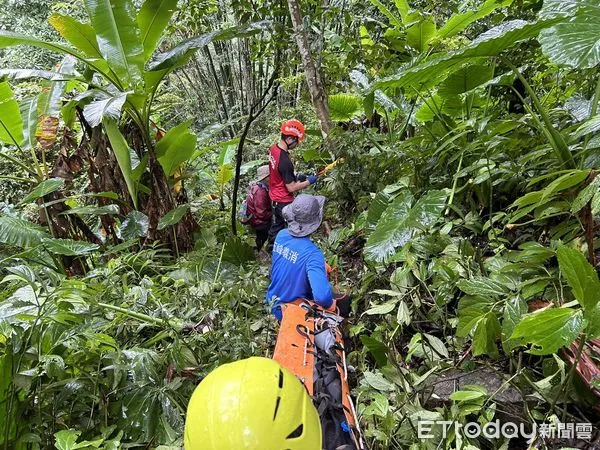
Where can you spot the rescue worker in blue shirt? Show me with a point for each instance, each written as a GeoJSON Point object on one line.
{"type": "Point", "coordinates": [298, 265]}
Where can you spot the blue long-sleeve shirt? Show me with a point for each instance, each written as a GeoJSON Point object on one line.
{"type": "Point", "coordinates": [297, 271]}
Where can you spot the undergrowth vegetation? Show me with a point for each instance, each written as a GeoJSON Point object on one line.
{"type": "Point", "coordinates": [463, 217]}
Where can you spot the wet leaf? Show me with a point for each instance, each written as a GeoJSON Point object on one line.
{"type": "Point", "coordinates": [20, 232]}
{"type": "Point", "coordinates": [482, 286]}
{"type": "Point", "coordinates": [574, 42]}
{"type": "Point", "coordinates": [134, 226]}
{"type": "Point", "coordinates": [400, 222]}
{"type": "Point", "coordinates": [549, 330]}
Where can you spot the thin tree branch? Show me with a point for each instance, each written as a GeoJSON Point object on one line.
{"type": "Point", "coordinates": [252, 116]}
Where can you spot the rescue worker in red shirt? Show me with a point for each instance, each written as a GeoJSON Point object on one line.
{"type": "Point", "coordinates": [283, 180]}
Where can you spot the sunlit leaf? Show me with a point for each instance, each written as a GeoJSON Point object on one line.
{"type": "Point", "coordinates": [420, 34]}
{"type": "Point", "coordinates": [465, 396]}
{"type": "Point", "coordinates": [460, 21]}
{"type": "Point", "coordinates": [343, 107]}
{"type": "Point", "coordinates": [176, 147]}
{"type": "Point", "coordinates": [152, 20]}
{"type": "Point", "coordinates": [80, 35]}
{"type": "Point", "coordinates": [11, 123]}
{"type": "Point", "coordinates": [549, 330]}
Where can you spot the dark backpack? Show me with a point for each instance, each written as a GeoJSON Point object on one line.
{"type": "Point", "coordinates": [328, 399]}
{"type": "Point", "coordinates": [246, 210]}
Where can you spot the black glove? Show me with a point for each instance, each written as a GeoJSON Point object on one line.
{"type": "Point", "coordinates": [300, 177]}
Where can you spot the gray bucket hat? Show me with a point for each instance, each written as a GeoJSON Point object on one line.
{"type": "Point", "coordinates": [304, 214]}
{"type": "Point", "coordinates": [262, 172]}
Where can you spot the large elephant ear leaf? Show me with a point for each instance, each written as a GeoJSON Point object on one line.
{"type": "Point", "coordinates": [491, 43]}
{"type": "Point", "coordinates": [11, 122]}
{"type": "Point", "coordinates": [30, 115]}
{"type": "Point", "coordinates": [465, 80]}
{"type": "Point", "coordinates": [574, 42]}
{"type": "Point", "coordinates": [152, 20]}
{"type": "Point", "coordinates": [118, 37]}
{"type": "Point", "coordinates": [419, 35]}
{"type": "Point", "coordinates": [400, 222]}
{"type": "Point", "coordinates": [22, 233]}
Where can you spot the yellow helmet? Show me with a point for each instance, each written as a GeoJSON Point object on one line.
{"type": "Point", "coordinates": [252, 404]}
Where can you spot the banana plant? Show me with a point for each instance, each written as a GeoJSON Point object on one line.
{"type": "Point", "coordinates": [118, 48]}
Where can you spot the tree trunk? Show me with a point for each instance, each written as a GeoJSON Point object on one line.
{"type": "Point", "coordinates": [219, 91]}
{"type": "Point", "coordinates": [161, 199]}
{"type": "Point", "coordinates": [247, 75]}
{"type": "Point", "coordinates": [313, 77]}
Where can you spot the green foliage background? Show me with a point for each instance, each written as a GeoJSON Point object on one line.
{"type": "Point", "coordinates": [463, 219]}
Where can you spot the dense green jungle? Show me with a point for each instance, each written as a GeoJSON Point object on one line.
{"type": "Point", "coordinates": [462, 213]}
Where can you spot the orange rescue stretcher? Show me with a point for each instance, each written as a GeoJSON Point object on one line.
{"type": "Point", "coordinates": [300, 347]}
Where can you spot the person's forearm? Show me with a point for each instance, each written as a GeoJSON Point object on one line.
{"type": "Point", "coordinates": [297, 186]}
{"type": "Point", "coordinates": [325, 303]}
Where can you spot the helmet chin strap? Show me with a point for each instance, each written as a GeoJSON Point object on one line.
{"type": "Point", "coordinates": [293, 144]}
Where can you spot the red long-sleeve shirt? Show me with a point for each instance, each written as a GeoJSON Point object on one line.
{"type": "Point", "coordinates": [261, 208]}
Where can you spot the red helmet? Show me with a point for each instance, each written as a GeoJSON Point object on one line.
{"type": "Point", "coordinates": [293, 127]}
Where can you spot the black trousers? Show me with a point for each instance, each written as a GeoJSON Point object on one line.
{"type": "Point", "coordinates": [277, 223]}
{"type": "Point", "coordinates": [262, 234]}
{"type": "Point", "coordinates": [343, 303]}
